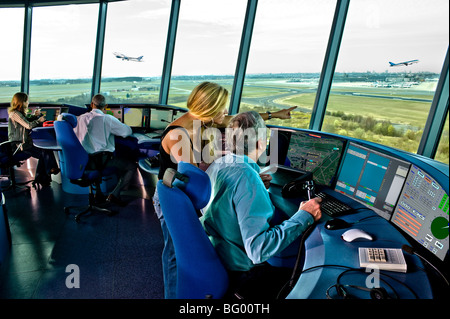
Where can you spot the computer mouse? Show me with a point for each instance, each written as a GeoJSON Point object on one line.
{"type": "Point", "coordinates": [336, 223]}
{"type": "Point", "coordinates": [355, 234]}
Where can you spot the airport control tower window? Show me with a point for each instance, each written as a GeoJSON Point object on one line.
{"type": "Point", "coordinates": [387, 71]}
{"type": "Point", "coordinates": [133, 54]}
{"type": "Point", "coordinates": [207, 45]}
{"type": "Point", "coordinates": [62, 53]}
{"type": "Point", "coordinates": [11, 19]}
{"type": "Point", "coordinates": [443, 147]}
{"type": "Point", "coordinates": [288, 46]}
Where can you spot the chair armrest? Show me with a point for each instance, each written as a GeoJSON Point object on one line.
{"type": "Point", "coordinates": [6, 147]}
{"type": "Point", "coordinates": [5, 143]}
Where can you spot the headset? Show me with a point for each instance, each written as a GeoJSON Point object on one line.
{"type": "Point", "coordinates": [376, 293]}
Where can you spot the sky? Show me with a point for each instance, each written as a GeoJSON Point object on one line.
{"type": "Point", "coordinates": [289, 36]}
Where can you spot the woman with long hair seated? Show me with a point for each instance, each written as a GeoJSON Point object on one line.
{"type": "Point", "coordinates": [19, 128]}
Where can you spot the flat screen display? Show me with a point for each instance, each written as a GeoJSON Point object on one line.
{"type": "Point", "coordinates": [372, 178]}
{"type": "Point", "coordinates": [422, 212]}
{"type": "Point", "coordinates": [316, 153]}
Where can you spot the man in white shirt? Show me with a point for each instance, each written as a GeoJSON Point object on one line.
{"type": "Point", "coordinates": [96, 132]}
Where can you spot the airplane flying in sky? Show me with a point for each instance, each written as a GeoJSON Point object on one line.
{"type": "Point", "coordinates": [406, 63]}
{"type": "Point", "coordinates": [127, 58]}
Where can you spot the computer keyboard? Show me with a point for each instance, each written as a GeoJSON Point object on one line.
{"type": "Point", "coordinates": [332, 206]}
{"type": "Point", "coordinates": [384, 258]}
{"type": "Point", "coordinates": [155, 134]}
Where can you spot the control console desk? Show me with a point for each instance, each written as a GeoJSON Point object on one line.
{"type": "Point", "coordinates": [327, 256]}
{"type": "Point", "coordinates": [400, 200]}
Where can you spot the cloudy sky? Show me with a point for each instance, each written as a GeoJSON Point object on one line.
{"type": "Point", "coordinates": [289, 36]}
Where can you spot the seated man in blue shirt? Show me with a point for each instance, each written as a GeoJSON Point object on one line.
{"type": "Point", "coordinates": [238, 214]}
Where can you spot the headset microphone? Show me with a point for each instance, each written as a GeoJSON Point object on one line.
{"type": "Point", "coordinates": [411, 251]}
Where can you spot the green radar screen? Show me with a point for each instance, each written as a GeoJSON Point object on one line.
{"type": "Point", "coordinates": [439, 227]}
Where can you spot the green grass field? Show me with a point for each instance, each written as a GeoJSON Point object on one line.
{"type": "Point", "coordinates": [389, 116]}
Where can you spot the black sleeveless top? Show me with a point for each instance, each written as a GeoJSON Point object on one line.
{"type": "Point", "coordinates": [165, 161]}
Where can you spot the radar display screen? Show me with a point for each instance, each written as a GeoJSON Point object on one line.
{"type": "Point", "coordinates": [422, 212]}
{"type": "Point", "coordinates": [135, 117]}
{"type": "Point", "coordinates": [316, 153]}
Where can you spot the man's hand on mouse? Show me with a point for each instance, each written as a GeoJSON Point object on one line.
{"type": "Point", "coordinates": [313, 207]}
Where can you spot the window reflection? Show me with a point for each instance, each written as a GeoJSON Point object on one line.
{"type": "Point", "coordinates": [134, 29]}
{"type": "Point", "coordinates": [207, 45]}
{"type": "Point", "coordinates": [62, 53]}
{"type": "Point", "coordinates": [286, 56]}
{"type": "Point", "coordinates": [372, 100]}
{"type": "Point", "coordinates": [443, 147]}
{"type": "Point", "coordinates": [11, 19]}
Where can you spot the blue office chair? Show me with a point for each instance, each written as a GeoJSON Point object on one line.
{"type": "Point", "coordinates": [73, 161]}
{"type": "Point", "coordinates": [200, 273]}
{"type": "Point", "coordinates": [5, 231]}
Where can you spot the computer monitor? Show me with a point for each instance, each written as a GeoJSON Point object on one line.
{"type": "Point", "coordinates": [50, 114]}
{"type": "Point", "coordinates": [4, 115]}
{"type": "Point", "coordinates": [311, 152]}
{"type": "Point", "coordinates": [422, 212]}
{"type": "Point", "coordinates": [372, 178]}
{"type": "Point", "coordinates": [49, 111]}
{"type": "Point", "coordinates": [115, 111]}
{"type": "Point", "coordinates": [135, 117]}
{"type": "Point", "coordinates": [160, 118]}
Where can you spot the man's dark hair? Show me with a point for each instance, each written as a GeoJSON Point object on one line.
{"type": "Point", "coordinates": [99, 101]}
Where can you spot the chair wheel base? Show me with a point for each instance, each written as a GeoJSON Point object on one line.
{"type": "Point", "coordinates": [17, 187]}
{"type": "Point", "coordinates": [90, 209]}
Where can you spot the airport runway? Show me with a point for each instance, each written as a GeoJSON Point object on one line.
{"type": "Point", "coordinates": [383, 96]}
{"type": "Point", "coordinates": [269, 101]}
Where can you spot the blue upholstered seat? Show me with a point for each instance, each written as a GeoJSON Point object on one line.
{"type": "Point", "coordinates": [200, 273]}
{"type": "Point", "coordinates": [74, 160]}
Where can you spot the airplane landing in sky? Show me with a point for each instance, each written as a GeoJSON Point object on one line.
{"type": "Point", "coordinates": [406, 63]}
{"type": "Point", "coordinates": [127, 58]}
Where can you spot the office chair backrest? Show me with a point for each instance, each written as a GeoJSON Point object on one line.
{"type": "Point", "coordinates": [200, 273]}
{"type": "Point", "coordinates": [74, 157]}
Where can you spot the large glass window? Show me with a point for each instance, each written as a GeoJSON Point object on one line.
{"type": "Point", "coordinates": [62, 53]}
{"type": "Point", "coordinates": [11, 38]}
{"type": "Point", "coordinates": [207, 45]}
{"type": "Point", "coordinates": [286, 56]}
{"type": "Point", "coordinates": [133, 56]}
{"type": "Point", "coordinates": [387, 71]}
{"type": "Point", "coordinates": [443, 147]}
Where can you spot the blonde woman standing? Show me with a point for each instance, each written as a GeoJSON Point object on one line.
{"type": "Point", "coordinates": [207, 107]}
